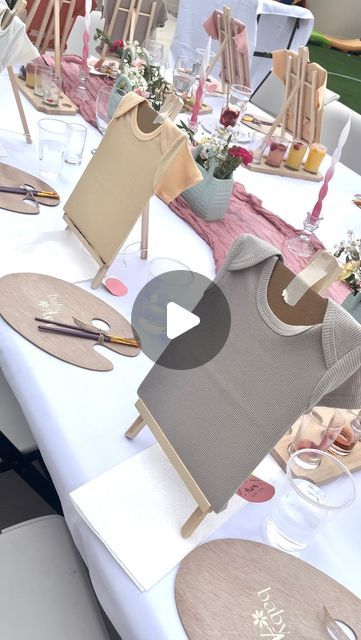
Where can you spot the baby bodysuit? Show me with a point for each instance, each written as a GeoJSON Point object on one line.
{"type": "Point", "coordinates": [223, 417]}
{"type": "Point", "coordinates": [129, 166]}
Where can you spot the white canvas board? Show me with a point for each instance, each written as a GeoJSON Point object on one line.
{"type": "Point", "coordinates": [138, 508]}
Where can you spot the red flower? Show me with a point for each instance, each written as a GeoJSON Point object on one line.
{"type": "Point", "coordinates": [116, 44]}
{"type": "Point", "coordinates": [239, 152]}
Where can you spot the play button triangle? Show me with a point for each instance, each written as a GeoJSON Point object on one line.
{"type": "Point", "coordinates": [179, 320]}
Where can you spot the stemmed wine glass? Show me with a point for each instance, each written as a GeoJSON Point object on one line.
{"type": "Point", "coordinates": [155, 51]}
{"type": "Point", "coordinates": [106, 104]}
{"type": "Point", "coordinates": [235, 108]}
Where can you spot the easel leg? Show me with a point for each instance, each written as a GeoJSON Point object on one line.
{"type": "Point", "coordinates": [99, 276]}
{"type": "Point", "coordinates": [144, 233]}
{"type": "Point", "coordinates": [19, 105]}
{"type": "Point", "coordinates": [135, 428]}
{"type": "Point", "coordinates": [193, 522]}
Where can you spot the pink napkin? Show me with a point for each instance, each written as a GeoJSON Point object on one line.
{"type": "Point", "coordinates": [245, 214]}
{"type": "Point", "coordinates": [240, 39]}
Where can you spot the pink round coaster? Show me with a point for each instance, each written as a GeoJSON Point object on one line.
{"type": "Point", "coordinates": [115, 286]}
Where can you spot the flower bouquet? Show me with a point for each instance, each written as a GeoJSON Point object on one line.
{"type": "Point", "coordinates": [217, 157]}
{"type": "Point", "coordinates": [135, 73]}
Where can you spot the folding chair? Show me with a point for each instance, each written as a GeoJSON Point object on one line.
{"type": "Point", "coordinates": [18, 449]}
{"type": "Point", "coordinates": [44, 589]}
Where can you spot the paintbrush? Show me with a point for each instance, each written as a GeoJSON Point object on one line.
{"type": "Point", "coordinates": [69, 329]}
{"type": "Point", "coordinates": [32, 192]}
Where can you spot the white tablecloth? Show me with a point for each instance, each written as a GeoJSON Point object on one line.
{"type": "Point", "coordinates": [78, 417]}
{"type": "Point", "coordinates": [269, 27]}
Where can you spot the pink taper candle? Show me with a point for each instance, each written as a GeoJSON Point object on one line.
{"type": "Point", "coordinates": [201, 83]}
{"type": "Point", "coordinates": [316, 211]}
{"type": "Point", "coordinates": [86, 34]}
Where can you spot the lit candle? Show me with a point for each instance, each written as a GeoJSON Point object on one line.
{"type": "Point", "coordinates": [201, 83]}
{"type": "Point", "coordinates": [86, 35]}
{"type": "Point", "coordinates": [315, 214]}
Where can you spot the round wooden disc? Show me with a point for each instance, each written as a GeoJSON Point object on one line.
{"type": "Point", "coordinates": [241, 590]}
{"type": "Point", "coordinates": [24, 296]}
{"type": "Point", "coordinates": [13, 177]}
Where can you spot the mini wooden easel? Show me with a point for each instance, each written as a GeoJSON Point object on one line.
{"type": "Point", "coordinates": [134, 12]}
{"type": "Point", "coordinates": [303, 118]}
{"type": "Point", "coordinates": [235, 64]}
{"type": "Point", "coordinates": [302, 110]}
{"type": "Point", "coordinates": [309, 311]}
{"type": "Point", "coordinates": [18, 8]}
{"type": "Point", "coordinates": [107, 232]}
{"type": "Point", "coordinates": [50, 27]}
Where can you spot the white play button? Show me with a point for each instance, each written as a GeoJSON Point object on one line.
{"type": "Point", "coordinates": [179, 320]}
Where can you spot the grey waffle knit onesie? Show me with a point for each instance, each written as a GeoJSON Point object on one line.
{"type": "Point", "coordinates": [225, 416]}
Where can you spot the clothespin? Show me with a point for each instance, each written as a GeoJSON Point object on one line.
{"type": "Point", "coordinates": [318, 275]}
{"type": "Point", "coordinates": [170, 108]}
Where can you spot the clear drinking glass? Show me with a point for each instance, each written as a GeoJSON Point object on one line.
{"type": "Point", "coordinates": [318, 430]}
{"type": "Point", "coordinates": [183, 75]}
{"type": "Point", "coordinates": [155, 51]}
{"type": "Point", "coordinates": [349, 435]}
{"type": "Point", "coordinates": [277, 149]}
{"type": "Point", "coordinates": [106, 103]}
{"type": "Point", "coordinates": [53, 140]}
{"type": "Point", "coordinates": [76, 140]}
{"type": "Point", "coordinates": [301, 506]}
{"type": "Point", "coordinates": [51, 89]}
{"type": "Point", "coordinates": [315, 156]}
{"type": "Point", "coordinates": [296, 154]}
{"type": "Point", "coordinates": [40, 70]}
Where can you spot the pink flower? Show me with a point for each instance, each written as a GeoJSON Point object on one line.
{"type": "Point", "coordinates": [116, 44]}
{"type": "Point", "coordinates": [138, 62]}
{"type": "Point", "coordinates": [141, 92]}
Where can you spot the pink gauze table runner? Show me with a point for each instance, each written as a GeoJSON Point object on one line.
{"type": "Point", "coordinates": [245, 214]}
{"type": "Point", "coordinates": [70, 67]}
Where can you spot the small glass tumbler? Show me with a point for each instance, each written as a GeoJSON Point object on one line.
{"type": "Point", "coordinates": [76, 140]}
{"type": "Point", "coordinates": [40, 70]}
{"type": "Point", "coordinates": [318, 430]}
{"type": "Point", "coordinates": [277, 149]}
{"type": "Point", "coordinates": [301, 506]}
{"type": "Point", "coordinates": [51, 89]}
{"type": "Point", "coordinates": [349, 435]}
{"type": "Point", "coordinates": [53, 140]}
{"type": "Point", "coordinates": [30, 75]}
{"type": "Point", "coordinates": [155, 51]}
{"type": "Point", "coordinates": [183, 75]}
{"type": "Point", "coordinates": [296, 153]}
{"type": "Point", "coordinates": [315, 156]}
{"type": "Point", "coordinates": [257, 146]}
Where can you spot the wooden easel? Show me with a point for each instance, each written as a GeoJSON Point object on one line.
{"type": "Point", "coordinates": [134, 12]}
{"type": "Point", "coordinates": [235, 65]}
{"type": "Point", "coordinates": [19, 7]}
{"type": "Point", "coordinates": [170, 109]}
{"type": "Point", "coordinates": [309, 310]}
{"type": "Point", "coordinates": [300, 115]}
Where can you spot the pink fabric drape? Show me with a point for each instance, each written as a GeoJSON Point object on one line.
{"type": "Point", "coordinates": [246, 214]}
{"type": "Point", "coordinates": [240, 39]}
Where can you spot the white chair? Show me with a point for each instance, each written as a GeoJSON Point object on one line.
{"type": "Point", "coordinates": [44, 589]}
{"type": "Point", "coordinates": [74, 43]}
{"type": "Point", "coordinates": [335, 118]}
{"type": "Point", "coordinates": [18, 449]}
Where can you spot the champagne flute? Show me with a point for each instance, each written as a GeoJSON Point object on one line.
{"type": "Point", "coordinates": [155, 51]}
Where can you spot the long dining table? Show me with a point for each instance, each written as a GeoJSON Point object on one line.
{"type": "Point", "coordinates": [78, 417]}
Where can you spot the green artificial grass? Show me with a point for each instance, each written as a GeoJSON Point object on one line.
{"type": "Point", "coordinates": [344, 64]}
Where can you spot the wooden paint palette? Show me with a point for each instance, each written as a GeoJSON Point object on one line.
{"type": "Point", "coordinates": [13, 177]}
{"type": "Point", "coordinates": [241, 590]}
{"type": "Point", "coordinates": [23, 296]}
